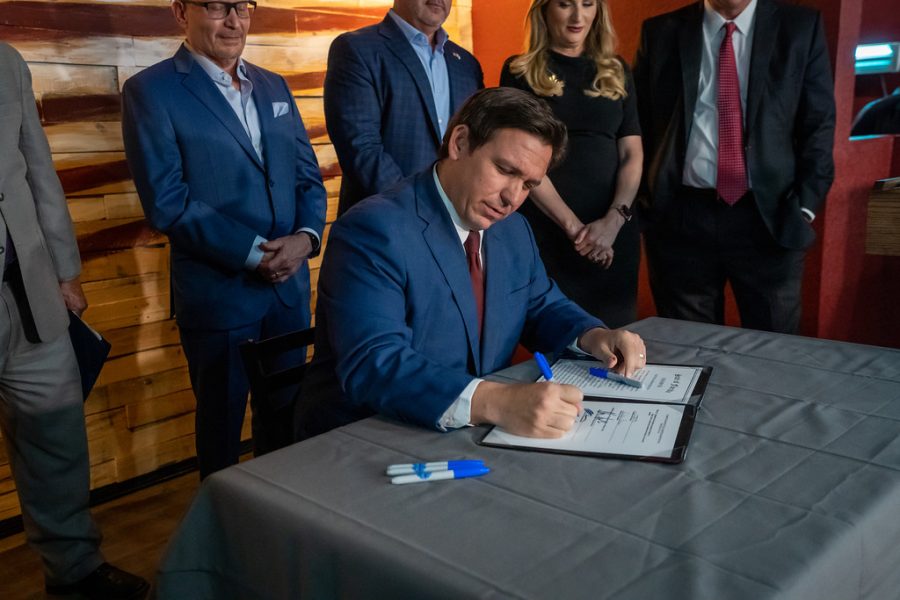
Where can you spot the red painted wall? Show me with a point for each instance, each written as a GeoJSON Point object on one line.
{"type": "Point", "coordinates": [498, 28]}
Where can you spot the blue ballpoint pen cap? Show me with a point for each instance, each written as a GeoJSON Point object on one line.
{"type": "Point", "coordinates": [470, 472]}
{"type": "Point", "coordinates": [460, 473]}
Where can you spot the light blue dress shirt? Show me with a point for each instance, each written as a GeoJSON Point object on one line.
{"type": "Point", "coordinates": [433, 62]}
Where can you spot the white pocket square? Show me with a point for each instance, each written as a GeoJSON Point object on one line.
{"type": "Point", "coordinates": [279, 108]}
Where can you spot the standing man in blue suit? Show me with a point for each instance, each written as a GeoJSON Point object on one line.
{"type": "Point", "coordinates": [390, 91]}
{"type": "Point", "coordinates": [432, 284]}
{"type": "Point", "coordinates": [224, 167]}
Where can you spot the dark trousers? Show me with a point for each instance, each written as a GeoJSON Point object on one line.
{"type": "Point", "coordinates": [702, 243]}
{"type": "Point", "coordinates": [220, 386]}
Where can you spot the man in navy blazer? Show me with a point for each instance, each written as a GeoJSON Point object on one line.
{"type": "Point", "coordinates": [390, 91]}
{"type": "Point", "coordinates": [400, 329]}
{"type": "Point", "coordinates": [224, 167]}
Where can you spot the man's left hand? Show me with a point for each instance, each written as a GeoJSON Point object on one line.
{"type": "Point", "coordinates": [618, 349]}
{"type": "Point", "coordinates": [283, 256]}
{"type": "Point", "coordinates": [73, 295]}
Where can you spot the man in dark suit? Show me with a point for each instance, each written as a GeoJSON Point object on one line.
{"type": "Point", "coordinates": [41, 403]}
{"type": "Point", "coordinates": [432, 284]}
{"type": "Point", "coordinates": [224, 167]}
{"type": "Point", "coordinates": [390, 91]}
{"type": "Point", "coordinates": [737, 110]}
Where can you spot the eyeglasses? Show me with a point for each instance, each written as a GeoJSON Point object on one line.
{"type": "Point", "coordinates": [220, 10]}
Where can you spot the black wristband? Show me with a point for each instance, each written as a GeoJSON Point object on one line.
{"type": "Point", "coordinates": [625, 211]}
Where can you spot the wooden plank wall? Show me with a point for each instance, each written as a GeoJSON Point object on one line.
{"type": "Point", "coordinates": [140, 415]}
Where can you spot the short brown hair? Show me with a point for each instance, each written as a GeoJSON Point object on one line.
{"type": "Point", "coordinates": [491, 109]}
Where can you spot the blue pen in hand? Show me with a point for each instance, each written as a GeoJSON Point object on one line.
{"type": "Point", "coordinates": [544, 366]}
{"type": "Point", "coordinates": [613, 376]}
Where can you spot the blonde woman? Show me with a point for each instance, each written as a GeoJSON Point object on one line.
{"type": "Point", "coordinates": [581, 213]}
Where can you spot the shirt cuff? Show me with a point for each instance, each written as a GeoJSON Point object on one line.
{"type": "Point", "coordinates": [574, 345]}
{"type": "Point", "coordinates": [808, 213]}
{"type": "Point", "coordinates": [459, 414]}
{"type": "Point", "coordinates": [256, 254]}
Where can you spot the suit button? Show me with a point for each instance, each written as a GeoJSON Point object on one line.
{"type": "Point", "coordinates": [1, 196]}
{"type": "Point", "coordinates": [271, 183]}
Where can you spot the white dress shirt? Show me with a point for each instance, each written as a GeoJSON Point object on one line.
{"type": "Point", "coordinates": [701, 159]}
{"type": "Point", "coordinates": [459, 414]}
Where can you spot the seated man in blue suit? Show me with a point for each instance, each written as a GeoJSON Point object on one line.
{"type": "Point", "coordinates": [224, 167]}
{"type": "Point", "coordinates": [432, 284]}
{"type": "Point", "coordinates": [390, 91]}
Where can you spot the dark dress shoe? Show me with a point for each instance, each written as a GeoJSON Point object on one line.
{"type": "Point", "coordinates": [105, 583]}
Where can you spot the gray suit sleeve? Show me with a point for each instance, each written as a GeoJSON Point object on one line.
{"type": "Point", "coordinates": [49, 199]}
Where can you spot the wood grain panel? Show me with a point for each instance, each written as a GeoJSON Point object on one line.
{"type": "Point", "coordinates": [96, 266]}
{"type": "Point", "coordinates": [144, 388]}
{"type": "Point", "coordinates": [72, 79]}
{"type": "Point", "coordinates": [140, 413]}
{"type": "Point", "coordinates": [87, 136]}
{"type": "Point", "coordinates": [159, 408]}
{"type": "Point", "coordinates": [129, 340]}
{"type": "Point", "coordinates": [66, 108]}
{"type": "Point", "coordinates": [93, 173]}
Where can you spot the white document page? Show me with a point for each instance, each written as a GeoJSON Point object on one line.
{"type": "Point", "coordinates": [610, 428]}
{"type": "Point", "coordinates": [661, 383]}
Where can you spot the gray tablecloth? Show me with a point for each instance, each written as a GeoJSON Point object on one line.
{"type": "Point", "coordinates": [790, 489]}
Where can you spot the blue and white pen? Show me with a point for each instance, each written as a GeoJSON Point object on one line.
{"type": "Point", "coordinates": [613, 376]}
{"type": "Point", "coordinates": [544, 366]}
{"type": "Point", "coordinates": [441, 475]}
{"type": "Point", "coordinates": [431, 467]}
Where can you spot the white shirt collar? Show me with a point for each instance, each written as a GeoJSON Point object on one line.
{"type": "Point", "coordinates": [713, 21]}
{"type": "Point", "coordinates": [418, 37]}
{"type": "Point", "coordinates": [215, 72]}
{"type": "Point", "coordinates": [461, 230]}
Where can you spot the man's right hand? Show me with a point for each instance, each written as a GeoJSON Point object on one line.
{"type": "Point", "coordinates": [540, 410]}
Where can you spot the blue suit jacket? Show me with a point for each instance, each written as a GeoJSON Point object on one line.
{"type": "Point", "coordinates": [202, 184]}
{"type": "Point", "coordinates": [396, 323]}
{"type": "Point", "coordinates": [379, 108]}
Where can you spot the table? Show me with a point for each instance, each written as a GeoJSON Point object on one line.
{"type": "Point", "coordinates": [790, 489]}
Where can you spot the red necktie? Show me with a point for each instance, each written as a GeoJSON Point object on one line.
{"type": "Point", "coordinates": [731, 178]}
{"type": "Point", "coordinates": [475, 272]}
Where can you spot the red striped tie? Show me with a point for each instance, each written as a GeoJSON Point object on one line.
{"type": "Point", "coordinates": [731, 177]}
{"type": "Point", "coordinates": [475, 272]}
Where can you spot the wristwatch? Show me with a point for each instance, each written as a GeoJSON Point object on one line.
{"type": "Point", "coordinates": [316, 244]}
{"type": "Point", "coordinates": [625, 211]}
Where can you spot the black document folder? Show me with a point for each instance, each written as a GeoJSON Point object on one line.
{"type": "Point", "coordinates": [91, 350]}
{"type": "Point", "coordinates": [654, 424]}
